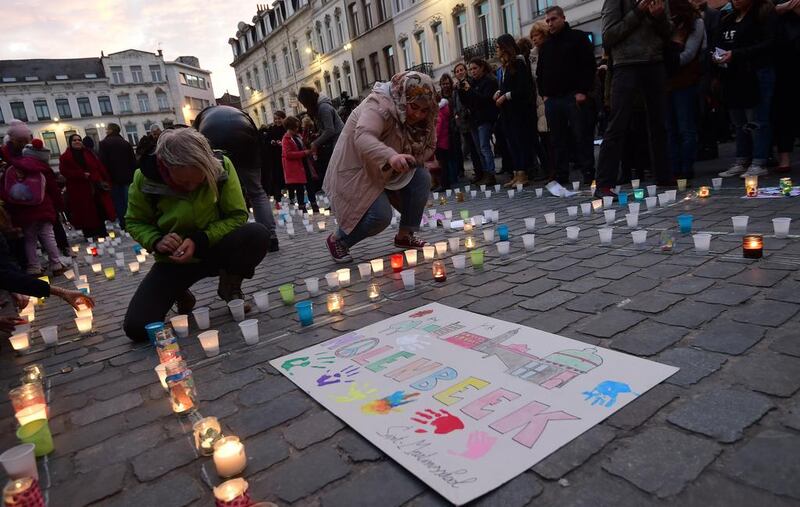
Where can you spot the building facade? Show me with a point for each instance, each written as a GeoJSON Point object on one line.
{"type": "Point", "coordinates": [190, 85]}
{"type": "Point", "coordinates": [60, 97]}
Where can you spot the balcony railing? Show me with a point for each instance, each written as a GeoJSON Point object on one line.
{"type": "Point", "coordinates": [485, 49]}
{"type": "Point", "coordinates": [424, 68]}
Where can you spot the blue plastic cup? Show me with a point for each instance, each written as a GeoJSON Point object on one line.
{"type": "Point", "coordinates": [685, 223]}
{"type": "Point", "coordinates": [502, 232]}
{"type": "Point", "coordinates": [305, 312]}
{"type": "Point", "coordinates": [152, 329]}
{"type": "Point", "coordinates": [638, 194]}
{"type": "Point", "coordinates": [623, 198]}
{"type": "Point", "coordinates": [137, 249]}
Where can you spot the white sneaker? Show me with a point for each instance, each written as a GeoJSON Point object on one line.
{"type": "Point", "coordinates": [733, 170]}
{"type": "Point", "coordinates": [755, 170]}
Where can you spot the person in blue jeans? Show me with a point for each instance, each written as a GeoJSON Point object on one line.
{"type": "Point", "coordinates": [478, 95]}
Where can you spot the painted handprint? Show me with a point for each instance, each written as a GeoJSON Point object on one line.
{"type": "Point", "coordinates": [443, 421]}
{"type": "Point", "coordinates": [411, 343]}
{"type": "Point", "coordinates": [356, 393]}
{"type": "Point", "coordinates": [478, 444]}
{"type": "Point", "coordinates": [318, 361]}
{"type": "Point", "coordinates": [388, 404]}
{"type": "Point", "coordinates": [605, 393]}
{"type": "Point", "coordinates": [340, 376]}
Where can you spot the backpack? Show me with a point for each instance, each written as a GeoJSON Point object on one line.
{"type": "Point", "coordinates": [21, 188]}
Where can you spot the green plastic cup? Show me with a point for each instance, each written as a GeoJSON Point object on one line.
{"type": "Point", "coordinates": [37, 433]}
{"type": "Point", "coordinates": [477, 258]}
{"type": "Point", "coordinates": [287, 293]}
{"type": "Point", "coordinates": [464, 214]}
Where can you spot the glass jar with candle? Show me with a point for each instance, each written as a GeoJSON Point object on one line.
{"type": "Point", "coordinates": [182, 391]}
{"type": "Point", "coordinates": [751, 186]}
{"type": "Point", "coordinates": [786, 186]}
{"type": "Point", "coordinates": [23, 492]}
{"type": "Point", "coordinates": [233, 493]}
{"type": "Point", "coordinates": [29, 403]}
{"type": "Point", "coordinates": [396, 260]}
{"type": "Point", "coordinates": [167, 346]}
{"type": "Point", "coordinates": [335, 303]}
{"type": "Point", "coordinates": [229, 456]}
{"type": "Point", "coordinates": [704, 192]}
{"type": "Point", "coordinates": [207, 432]}
{"type": "Point", "coordinates": [439, 271]}
{"type": "Point", "coordinates": [374, 291]}
{"type": "Point", "coordinates": [752, 246]}
{"type": "Point", "coordinates": [33, 374]}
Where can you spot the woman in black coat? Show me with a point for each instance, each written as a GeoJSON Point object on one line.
{"type": "Point", "coordinates": [477, 95]}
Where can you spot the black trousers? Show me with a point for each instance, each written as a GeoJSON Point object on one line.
{"type": "Point", "coordinates": [296, 192]}
{"type": "Point", "coordinates": [572, 131]}
{"type": "Point", "coordinates": [651, 80]}
{"type": "Point", "coordinates": [238, 253]}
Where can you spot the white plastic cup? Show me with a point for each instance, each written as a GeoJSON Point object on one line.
{"type": "Point", "coordinates": [632, 219]}
{"type": "Point", "coordinates": [262, 300]}
{"type": "Point", "coordinates": [364, 270]}
{"type": "Point", "coordinates": [312, 285]}
{"type": "Point", "coordinates": [180, 323]}
{"type": "Point", "coordinates": [49, 335]}
{"type": "Point", "coordinates": [503, 248]}
{"type": "Point", "coordinates": [586, 209]}
{"type": "Point", "coordinates": [572, 211]}
{"type": "Point", "coordinates": [608, 201]}
{"type": "Point", "coordinates": [606, 233]}
{"type": "Point", "coordinates": [634, 183]}
{"type": "Point", "coordinates": [651, 202]}
{"type": "Point", "coordinates": [454, 244]}
{"type": "Point", "coordinates": [716, 183]}
{"type": "Point", "coordinates": [702, 242]}
{"type": "Point", "coordinates": [639, 238]}
{"type": "Point", "coordinates": [633, 207]}
{"type": "Point", "coordinates": [576, 185]}
{"type": "Point", "coordinates": [530, 224]}
{"type": "Point", "coordinates": [249, 329]}
{"type": "Point", "coordinates": [487, 193]}
{"type": "Point", "coordinates": [201, 317]}
{"type": "Point", "coordinates": [473, 193]}
{"type": "Point", "coordinates": [441, 248]}
{"type": "Point", "coordinates": [488, 235]}
{"type": "Point", "coordinates": [344, 276]}
{"type": "Point", "coordinates": [663, 199]}
{"type": "Point", "coordinates": [487, 215]}
{"type": "Point", "coordinates": [408, 278]}
{"type": "Point", "coordinates": [511, 194]}
{"type": "Point", "coordinates": [519, 187]}
{"type": "Point", "coordinates": [572, 232]}
{"type": "Point", "coordinates": [459, 261]}
{"type": "Point", "coordinates": [209, 340]}
{"type": "Point", "coordinates": [448, 214]}
{"type": "Point", "coordinates": [333, 280]}
{"type": "Point", "coordinates": [411, 257]}
{"type": "Point", "coordinates": [539, 192]}
{"type": "Point", "coordinates": [611, 215]}
{"type": "Point", "coordinates": [652, 191]}
{"type": "Point", "coordinates": [528, 241]}
{"type": "Point", "coordinates": [236, 306]}
{"type": "Point", "coordinates": [436, 196]}
{"type": "Point", "coordinates": [550, 218]}
{"type": "Point", "coordinates": [672, 195]}
{"type": "Point", "coordinates": [497, 188]}
{"type": "Point", "coordinates": [496, 216]}
{"type": "Point", "coordinates": [20, 462]}
{"type": "Point", "coordinates": [448, 192]}
{"type": "Point", "coordinates": [446, 224]}
{"type": "Point", "coordinates": [781, 226]}
{"type": "Point", "coordinates": [740, 224]}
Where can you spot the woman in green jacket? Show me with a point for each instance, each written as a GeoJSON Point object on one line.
{"type": "Point", "coordinates": [186, 205]}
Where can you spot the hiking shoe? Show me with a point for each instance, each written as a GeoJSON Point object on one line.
{"type": "Point", "coordinates": [755, 170]}
{"type": "Point", "coordinates": [338, 250]}
{"type": "Point", "coordinates": [734, 170]}
{"type": "Point", "coordinates": [408, 242]}
{"type": "Point", "coordinates": [185, 303]}
{"type": "Point", "coordinates": [57, 268]}
{"type": "Point", "coordinates": [35, 270]}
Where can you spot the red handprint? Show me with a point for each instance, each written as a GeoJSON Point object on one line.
{"type": "Point", "coordinates": [443, 421]}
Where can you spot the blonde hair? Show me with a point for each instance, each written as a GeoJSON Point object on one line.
{"type": "Point", "coordinates": [540, 27]}
{"type": "Point", "coordinates": [188, 147]}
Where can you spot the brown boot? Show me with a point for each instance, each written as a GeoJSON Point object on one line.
{"type": "Point", "coordinates": [522, 179]}
{"type": "Point", "coordinates": [513, 181]}
{"type": "Point", "coordinates": [230, 288]}
{"type": "Point", "coordinates": [488, 180]}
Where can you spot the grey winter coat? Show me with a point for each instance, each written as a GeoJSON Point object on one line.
{"type": "Point", "coordinates": [328, 123]}
{"type": "Point", "coordinates": [632, 36]}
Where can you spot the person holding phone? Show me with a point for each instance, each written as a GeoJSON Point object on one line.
{"type": "Point", "coordinates": [378, 163]}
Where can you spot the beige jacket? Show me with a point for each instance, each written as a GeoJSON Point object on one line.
{"type": "Point", "coordinates": [355, 176]}
{"type": "Point", "coordinates": [541, 119]}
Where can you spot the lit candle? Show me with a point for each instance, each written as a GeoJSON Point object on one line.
{"type": "Point", "coordinates": [703, 192]}
{"type": "Point", "coordinates": [377, 266]}
{"type": "Point", "coordinates": [638, 193]}
{"type": "Point", "coordinates": [141, 257]}
{"type": "Point", "coordinates": [20, 342]}
{"type": "Point", "coordinates": [232, 493]}
{"type": "Point", "coordinates": [84, 312]}
{"type": "Point", "coordinates": [33, 374]}
{"type": "Point", "coordinates": [229, 456]}
{"type": "Point", "coordinates": [469, 242]}
{"type": "Point", "coordinates": [76, 248]}
{"type": "Point", "coordinates": [335, 303]}
{"type": "Point", "coordinates": [94, 251]}
{"type": "Point", "coordinates": [374, 291]}
{"type": "Point", "coordinates": [321, 226]}
{"type": "Point", "coordinates": [439, 272]}
{"type": "Point", "coordinates": [133, 266]}
{"type": "Point", "coordinates": [752, 246]}
{"type": "Point", "coordinates": [751, 186]}
{"type": "Point", "coordinates": [396, 261]}
{"type": "Point", "coordinates": [97, 267]}
{"type": "Point", "coordinates": [181, 387]}
{"type": "Point", "coordinates": [83, 278]}
{"type": "Point", "coordinates": [110, 273]}
{"type": "Point", "coordinates": [112, 234]}
{"type": "Point", "coordinates": [467, 227]}
{"type": "Point", "coordinates": [180, 323]}
{"type": "Point", "coordinates": [29, 403]}
{"type": "Point", "coordinates": [344, 276]}
{"type": "Point", "coordinates": [23, 492]}
{"type": "Point", "coordinates": [207, 432]}
{"type": "Point", "coordinates": [209, 340]}
{"type": "Point", "coordinates": [597, 204]}
{"type": "Point", "coordinates": [69, 274]}
{"type": "Point", "coordinates": [101, 240]}
{"type": "Point", "coordinates": [428, 251]}
{"type": "Point", "coordinates": [161, 371]}
{"type": "Point", "coordinates": [84, 324]}
{"type": "Point", "coordinates": [411, 257]}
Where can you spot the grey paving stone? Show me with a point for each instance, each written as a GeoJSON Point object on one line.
{"type": "Point", "coordinates": [689, 314]}
{"type": "Point", "coordinates": [630, 286]}
{"type": "Point", "coordinates": [374, 483]}
{"type": "Point", "coordinates": [85, 436]}
{"type": "Point", "coordinates": [644, 260]}
{"type": "Point", "coordinates": [687, 285]}
{"type": "Point", "coordinates": [648, 338]}
{"type": "Point", "coordinates": [526, 276]}
{"type": "Point", "coordinates": [591, 303]}
{"type": "Point", "coordinates": [456, 301]}
{"type": "Point", "coordinates": [301, 475]}
{"type": "Point", "coordinates": [729, 295]}
{"type": "Point", "coordinates": [148, 412]}
{"type": "Point", "coordinates": [722, 414]}
{"type": "Point", "coordinates": [61, 405]}
{"type": "Point", "coordinates": [175, 490]}
{"type": "Point", "coordinates": [603, 261]}
{"type": "Point", "coordinates": [757, 277]}
{"type": "Point", "coordinates": [534, 288]}
{"type": "Point", "coordinates": [118, 449]}
{"type": "Point", "coordinates": [127, 384]}
{"type": "Point", "coordinates": [713, 488]}
{"type": "Point", "coordinates": [728, 337]}
{"type": "Point", "coordinates": [768, 461]}
{"type": "Point", "coordinates": [584, 285]}
{"type": "Point", "coordinates": [75, 375]}
{"type": "Point", "coordinates": [719, 270]}
{"type": "Point", "coordinates": [661, 461]}
{"type": "Point", "coordinates": [575, 453]}
{"type": "Point", "coordinates": [102, 409]}
{"type": "Point", "coordinates": [652, 302]}
{"type": "Point", "coordinates": [570, 274]}
{"type": "Point", "coordinates": [490, 289]}
{"type": "Point", "coordinates": [558, 264]}
{"type": "Point", "coordinates": [791, 417]}
{"type": "Point", "coordinates": [251, 421]}
{"type": "Point", "coordinates": [643, 407]}
{"type": "Point", "coordinates": [163, 459]}
{"type": "Point", "coordinates": [493, 304]}
{"type": "Point", "coordinates": [85, 489]}
{"type": "Point", "coordinates": [784, 292]}
{"type": "Point", "coordinates": [547, 301]}
{"type": "Point", "coordinates": [265, 450]}
{"type": "Point", "coordinates": [265, 390]}
{"type": "Point", "coordinates": [786, 340]}
{"type": "Point", "coordinates": [769, 373]}
{"type": "Point", "coordinates": [517, 492]}
{"type": "Point", "coordinates": [79, 385]}
{"type": "Point", "coordinates": [663, 271]}
{"type": "Point", "coordinates": [766, 313]}
{"type": "Point", "coordinates": [243, 360]}
{"type": "Point", "coordinates": [609, 323]}
{"type": "Point", "coordinates": [314, 428]}
{"type": "Point", "coordinates": [356, 447]}
{"type": "Point", "coordinates": [228, 383]}
{"type": "Point", "coordinates": [595, 489]}
{"type": "Point", "coordinates": [553, 321]}
{"type": "Point", "coordinates": [694, 364]}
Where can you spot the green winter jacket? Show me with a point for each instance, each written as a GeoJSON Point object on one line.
{"type": "Point", "coordinates": [154, 209]}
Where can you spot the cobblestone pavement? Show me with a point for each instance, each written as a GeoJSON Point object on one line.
{"type": "Point", "coordinates": [722, 431]}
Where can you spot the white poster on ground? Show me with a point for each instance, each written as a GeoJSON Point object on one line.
{"type": "Point", "coordinates": [463, 401]}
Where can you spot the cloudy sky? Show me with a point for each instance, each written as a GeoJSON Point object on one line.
{"type": "Point", "coordinates": [58, 29]}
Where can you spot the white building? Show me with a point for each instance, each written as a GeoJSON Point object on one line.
{"type": "Point", "coordinates": [189, 86]}
{"type": "Point", "coordinates": [60, 97]}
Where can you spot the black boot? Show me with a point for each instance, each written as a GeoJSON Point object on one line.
{"type": "Point", "coordinates": [230, 288]}
{"type": "Point", "coordinates": [185, 302]}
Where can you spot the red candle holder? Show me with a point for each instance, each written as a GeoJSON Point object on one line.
{"type": "Point", "coordinates": [94, 251]}
{"type": "Point", "coordinates": [396, 260]}
{"type": "Point", "coordinates": [24, 492]}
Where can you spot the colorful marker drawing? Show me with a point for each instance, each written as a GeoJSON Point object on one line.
{"type": "Point", "coordinates": [411, 342]}
{"type": "Point", "coordinates": [343, 375]}
{"type": "Point", "coordinates": [388, 404]}
{"type": "Point", "coordinates": [478, 444]}
{"type": "Point", "coordinates": [356, 393]}
{"type": "Point", "coordinates": [443, 421]}
{"type": "Point", "coordinates": [605, 393]}
{"type": "Point", "coordinates": [318, 361]}
{"type": "Point", "coordinates": [420, 313]}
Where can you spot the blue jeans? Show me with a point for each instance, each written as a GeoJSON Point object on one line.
{"type": "Point", "coordinates": [682, 130]}
{"type": "Point", "coordinates": [482, 137]}
{"type": "Point", "coordinates": [250, 180]}
{"type": "Point", "coordinates": [753, 129]}
{"type": "Point", "coordinates": [410, 200]}
{"type": "Point", "coordinates": [119, 195]}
